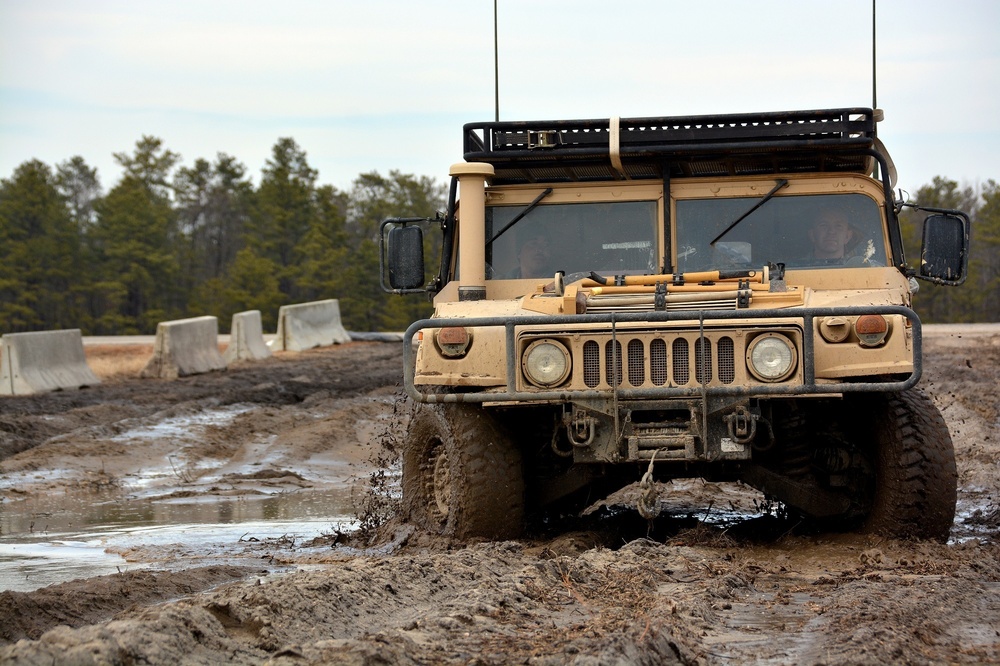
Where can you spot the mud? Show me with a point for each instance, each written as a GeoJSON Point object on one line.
{"type": "Point", "coordinates": [721, 579]}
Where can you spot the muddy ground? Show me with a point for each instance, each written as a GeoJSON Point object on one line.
{"type": "Point", "coordinates": [693, 590]}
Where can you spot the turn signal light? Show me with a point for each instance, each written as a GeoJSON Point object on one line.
{"type": "Point", "coordinates": [871, 329]}
{"type": "Point", "coordinates": [453, 341]}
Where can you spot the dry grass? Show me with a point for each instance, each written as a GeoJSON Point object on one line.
{"type": "Point", "coordinates": [110, 362]}
{"type": "Point", "coordinates": [117, 361]}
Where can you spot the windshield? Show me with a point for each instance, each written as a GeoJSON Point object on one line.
{"type": "Point", "coordinates": [609, 238]}
{"type": "Point", "coordinates": [814, 231]}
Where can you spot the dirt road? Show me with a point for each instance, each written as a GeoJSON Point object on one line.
{"type": "Point", "coordinates": [695, 590]}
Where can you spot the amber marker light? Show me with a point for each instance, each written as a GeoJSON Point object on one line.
{"type": "Point", "coordinates": [871, 329]}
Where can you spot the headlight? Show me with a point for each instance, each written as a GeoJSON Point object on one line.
{"type": "Point", "coordinates": [546, 363]}
{"type": "Point", "coordinates": [771, 357]}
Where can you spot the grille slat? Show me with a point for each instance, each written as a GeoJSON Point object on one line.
{"type": "Point", "coordinates": [613, 363]}
{"type": "Point", "coordinates": [682, 367]}
{"type": "Point", "coordinates": [658, 362]}
{"type": "Point", "coordinates": [591, 364]}
{"type": "Point", "coordinates": [727, 361]}
{"type": "Point", "coordinates": [703, 361]}
{"type": "Point", "coordinates": [636, 362]}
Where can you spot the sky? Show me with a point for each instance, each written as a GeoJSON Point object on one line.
{"type": "Point", "coordinates": [377, 85]}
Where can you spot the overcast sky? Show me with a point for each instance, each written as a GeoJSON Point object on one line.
{"type": "Point", "coordinates": [379, 84]}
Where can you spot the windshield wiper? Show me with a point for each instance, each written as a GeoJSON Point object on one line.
{"type": "Point", "coordinates": [767, 197]}
{"type": "Point", "coordinates": [520, 216]}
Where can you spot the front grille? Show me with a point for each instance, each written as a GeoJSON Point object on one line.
{"type": "Point", "coordinates": [656, 360]}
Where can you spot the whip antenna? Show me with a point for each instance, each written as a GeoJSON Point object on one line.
{"type": "Point", "coordinates": [874, 70]}
{"type": "Point", "coordinates": [496, 64]}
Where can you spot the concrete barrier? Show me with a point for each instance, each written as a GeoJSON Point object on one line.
{"type": "Point", "coordinates": [375, 337]}
{"type": "Point", "coordinates": [246, 338]}
{"type": "Point", "coordinates": [43, 361]}
{"type": "Point", "coordinates": [308, 325]}
{"type": "Point", "coordinates": [185, 347]}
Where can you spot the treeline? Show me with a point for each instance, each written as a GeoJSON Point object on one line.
{"type": "Point", "coordinates": [169, 242]}
{"type": "Point", "coordinates": [978, 300]}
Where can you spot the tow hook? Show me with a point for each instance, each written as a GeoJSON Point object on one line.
{"type": "Point", "coordinates": [648, 503]}
{"type": "Point", "coordinates": [742, 425]}
{"type": "Point", "coordinates": [581, 429]}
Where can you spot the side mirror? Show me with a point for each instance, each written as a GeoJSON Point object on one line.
{"type": "Point", "coordinates": [944, 253]}
{"type": "Point", "coordinates": [406, 257]}
{"type": "Point", "coordinates": [401, 255]}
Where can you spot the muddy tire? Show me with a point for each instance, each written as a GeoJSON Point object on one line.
{"type": "Point", "coordinates": [462, 475]}
{"type": "Point", "coordinates": [876, 463]}
{"type": "Point", "coordinates": [914, 462]}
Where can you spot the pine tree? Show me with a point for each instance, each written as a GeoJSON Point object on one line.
{"type": "Point", "coordinates": [40, 254]}
{"type": "Point", "coordinates": [135, 240]}
{"type": "Point", "coordinates": [284, 211]}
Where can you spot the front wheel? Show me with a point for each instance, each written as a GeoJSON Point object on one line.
{"type": "Point", "coordinates": [462, 475]}
{"type": "Point", "coordinates": [876, 463]}
{"type": "Point", "coordinates": [916, 480]}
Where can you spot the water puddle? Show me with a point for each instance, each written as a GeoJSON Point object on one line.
{"type": "Point", "coordinates": [185, 427]}
{"type": "Point", "coordinates": [51, 540]}
{"type": "Point", "coordinates": [976, 517]}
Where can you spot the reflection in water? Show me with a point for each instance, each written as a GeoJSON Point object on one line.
{"type": "Point", "coordinates": [56, 539]}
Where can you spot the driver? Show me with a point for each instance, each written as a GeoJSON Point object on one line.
{"type": "Point", "coordinates": [830, 235]}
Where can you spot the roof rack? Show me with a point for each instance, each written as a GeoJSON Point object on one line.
{"type": "Point", "coordinates": [837, 140]}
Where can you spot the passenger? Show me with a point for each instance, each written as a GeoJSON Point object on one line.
{"type": "Point", "coordinates": [533, 254]}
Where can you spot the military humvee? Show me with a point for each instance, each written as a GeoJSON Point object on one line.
{"type": "Point", "coordinates": [722, 297]}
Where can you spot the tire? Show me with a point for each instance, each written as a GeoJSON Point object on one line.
{"type": "Point", "coordinates": [462, 476]}
{"type": "Point", "coordinates": [873, 463]}
{"type": "Point", "coordinates": [916, 480]}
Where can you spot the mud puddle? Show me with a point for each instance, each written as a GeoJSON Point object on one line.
{"type": "Point", "coordinates": [62, 538]}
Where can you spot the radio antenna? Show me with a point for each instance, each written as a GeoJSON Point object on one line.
{"type": "Point", "coordinates": [874, 70]}
{"type": "Point", "coordinates": [496, 63]}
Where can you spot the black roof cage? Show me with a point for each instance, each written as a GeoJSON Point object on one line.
{"type": "Point", "coordinates": [838, 140]}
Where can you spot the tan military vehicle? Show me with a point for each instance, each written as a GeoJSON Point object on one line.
{"type": "Point", "coordinates": [627, 300]}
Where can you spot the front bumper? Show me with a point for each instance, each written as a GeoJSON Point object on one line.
{"type": "Point", "coordinates": [804, 383]}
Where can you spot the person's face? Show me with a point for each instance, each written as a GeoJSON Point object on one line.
{"type": "Point", "coordinates": [534, 256]}
{"type": "Point", "coordinates": [829, 235]}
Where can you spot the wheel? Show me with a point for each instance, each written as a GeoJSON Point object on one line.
{"type": "Point", "coordinates": [462, 475]}
{"type": "Point", "coordinates": [875, 463]}
{"type": "Point", "coordinates": [916, 481]}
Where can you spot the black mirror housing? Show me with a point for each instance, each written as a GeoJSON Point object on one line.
{"type": "Point", "coordinates": [406, 257]}
{"type": "Point", "coordinates": [944, 253]}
